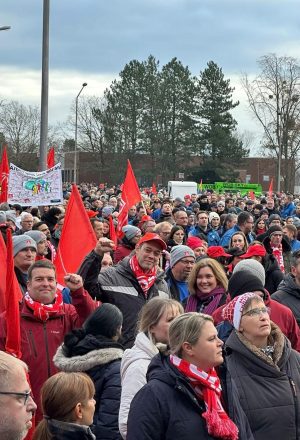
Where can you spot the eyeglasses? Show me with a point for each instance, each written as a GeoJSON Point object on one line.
{"type": "Point", "coordinates": [257, 311]}
{"type": "Point", "coordinates": [26, 395]}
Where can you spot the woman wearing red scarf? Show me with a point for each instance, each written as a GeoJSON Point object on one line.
{"type": "Point", "coordinates": [184, 398]}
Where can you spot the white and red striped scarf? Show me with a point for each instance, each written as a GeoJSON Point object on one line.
{"type": "Point", "coordinates": [43, 311]}
{"type": "Point", "coordinates": [145, 279]}
{"type": "Point", "coordinates": [207, 387]}
{"type": "Point", "coordinates": [277, 252]}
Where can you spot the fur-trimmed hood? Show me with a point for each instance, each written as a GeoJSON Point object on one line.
{"type": "Point", "coordinates": [87, 361]}
{"type": "Point", "coordinates": [254, 357]}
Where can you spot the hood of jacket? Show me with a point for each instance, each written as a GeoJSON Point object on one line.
{"type": "Point", "coordinates": [270, 263]}
{"type": "Point", "coordinates": [256, 361]}
{"type": "Point", "coordinates": [288, 285]}
{"type": "Point", "coordinates": [143, 349]}
{"type": "Point", "coordinates": [88, 360]}
{"type": "Point", "coordinates": [286, 247]}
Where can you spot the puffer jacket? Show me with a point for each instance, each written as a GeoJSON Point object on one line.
{"type": "Point", "coordinates": [269, 390]}
{"type": "Point", "coordinates": [167, 408]}
{"type": "Point", "coordinates": [100, 359]}
{"type": "Point", "coordinates": [119, 286]}
{"type": "Point", "coordinates": [274, 276]}
{"type": "Point", "coordinates": [69, 431]}
{"type": "Point", "coordinates": [288, 294]}
{"type": "Point", "coordinates": [40, 340]}
{"type": "Point", "coordinates": [134, 366]}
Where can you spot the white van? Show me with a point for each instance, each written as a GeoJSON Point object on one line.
{"type": "Point", "coordinates": [180, 189]}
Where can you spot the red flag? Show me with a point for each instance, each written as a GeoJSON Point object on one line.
{"type": "Point", "coordinates": [13, 296]}
{"type": "Point", "coordinates": [130, 191]}
{"type": "Point", "coordinates": [122, 219]}
{"type": "Point", "coordinates": [271, 188]}
{"type": "Point", "coordinates": [153, 189]}
{"type": "Point", "coordinates": [3, 262]}
{"type": "Point", "coordinates": [112, 231]}
{"type": "Point", "coordinates": [77, 237]}
{"type": "Point", "coordinates": [251, 195]}
{"type": "Point", "coordinates": [51, 158]}
{"type": "Point", "coordinates": [4, 173]}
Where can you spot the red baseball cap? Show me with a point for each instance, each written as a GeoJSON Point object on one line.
{"type": "Point", "coordinates": [187, 196]}
{"type": "Point", "coordinates": [217, 251]}
{"type": "Point", "coordinates": [151, 236]}
{"type": "Point", "coordinates": [256, 250]}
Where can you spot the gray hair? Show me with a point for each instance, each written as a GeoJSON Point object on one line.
{"type": "Point", "coordinates": [8, 364]}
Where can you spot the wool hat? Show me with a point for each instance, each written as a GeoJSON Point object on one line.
{"type": "Point", "coordinates": [179, 252]}
{"type": "Point", "coordinates": [37, 236]}
{"type": "Point", "coordinates": [131, 231]}
{"type": "Point", "coordinates": [2, 217]}
{"type": "Point", "coordinates": [21, 242]}
{"type": "Point", "coordinates": [107, 211]}
{"type": "Point", "coordinates": [216, 251]}
{"type": "Point", "coordinates": [178, 199]}
{"type": "Point", "coordinates": [151, 236]}
{"type": "Point", "coordinates": [194, 242]}
{"type": "Point", "coordinates": [254, 251]}
{"type": "Point", "coordinates": [213, 215]}
{"type": "Point", "coordinates": [252, 266]}
{"type": "Point", "coordinates": [238, 285]}
{"type": "Point", "coordinates": [11, 215]}
{"type": "Point", "coordinates": [296, 222]}
{"type": "Point", "coordinates": [274, 217]}
{"type": "Point", "coordinates": [187, 196]}
{"type": "Point", "coordinates": [221, 203]}
{"type": "Point", "coordinates": [233, 311]}
{"type": "Point", "coordinates": [274, 229]}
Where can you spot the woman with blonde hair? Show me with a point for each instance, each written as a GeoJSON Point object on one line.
{"type": "Point", "coordinates": [183, 398]}
{"type": "Point", "coordinates": [154, 321]}
{"type": "Point", "coordinates": [68, 407]}
{"type": "Point", "coordinates": [239, 240]}
{"type": "Point", "coordinates": [207, 287]}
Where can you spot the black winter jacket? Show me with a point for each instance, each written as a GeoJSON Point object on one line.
{"type": "Point", "coordinates": [167, 408]}
{"type": "Point", "coordinates": [100, 358]}
{"type": "Point", "coordinates": [69, 431]}
{"type": "Point", "coordinates": [269, 392]}
{"type": "Point", "coordinates": [274, 276]}
{"type": "Point", "coordinates": [288, 293]}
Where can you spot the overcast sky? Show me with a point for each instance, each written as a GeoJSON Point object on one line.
{"type": "Point", "coordinates": [92, 40]}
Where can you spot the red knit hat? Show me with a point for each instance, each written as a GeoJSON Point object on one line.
{"type": "Point", "coordinates": [233, 311]}
{"type": "Point", "coordinates": [194, 242]}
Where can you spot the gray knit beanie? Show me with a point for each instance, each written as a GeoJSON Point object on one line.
{"type": "Point", "coordinates": [252, 266]}
{"type": "Point", "coordinates": [131, 231]}
{"type": "Point", "coordinates": [21, 242]}
{"type": "Point", "coordinates": [2, 217]}
{"type": "Point", "coordinates": [179, 252]}
{"type": "Point", "coordinates": [37, 236]}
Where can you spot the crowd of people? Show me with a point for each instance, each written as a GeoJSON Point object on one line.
{"type": "Point", "coordinates": [187, 327]}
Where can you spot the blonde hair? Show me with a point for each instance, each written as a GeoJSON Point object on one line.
{"type": "Point", "coordinates": [152, 312]}
{"type": "Point", "coordinates": [216, 268]}
{"type": "Point", "coordinates": [186, 328]}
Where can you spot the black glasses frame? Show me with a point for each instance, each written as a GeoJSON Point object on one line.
{"type": "Point", "coordinates": [26, 395]}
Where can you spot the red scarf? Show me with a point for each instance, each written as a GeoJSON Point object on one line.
{"type": "Point", "coordinates": [145, 279]}
{"type": "Point", "coordinates": [44, 311]}
{"type": "Point", "coordinates": [207, 387]}
{"type": "Point", "coordinates": [277, 252]}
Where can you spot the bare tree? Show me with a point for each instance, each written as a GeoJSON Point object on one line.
{"type": "Point", "coordinates": [273, 97]}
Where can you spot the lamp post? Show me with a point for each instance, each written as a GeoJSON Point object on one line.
{"type": "Point", "coordinates": [76, 127]}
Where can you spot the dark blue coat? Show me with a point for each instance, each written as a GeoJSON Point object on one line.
{"type": "Point", "coordinates": [167, 408]}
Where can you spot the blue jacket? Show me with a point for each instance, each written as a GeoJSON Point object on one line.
{"type": "Point", "coordinates": [167, 408]}
{"type": "Point", "coordinates": [213, 237]}
{"type": "Point", "coordinates": [287, 210]}
{"type": "Point", "coordinates": [225, 239]}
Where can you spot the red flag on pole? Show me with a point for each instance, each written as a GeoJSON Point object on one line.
{"type": "Point", "coordinates": [271, 188]}
{"type": "Point", "coordinates": [51, 158]}
{"type": "Point", "coordinates": [4, 173]}
{"type": "Point", "coordinates": [251, 195]}
{"type": "Point", "coordinates": [130, 191]}
{"type": "Point", "coordinates": [77, 237]}
{"type": "Point", "coordinates": [112, 231]}
{"type": "Point", "coordinates": [122, 219]}
{"type": "Point", "coordinates": [13, 297]}
{"type": "Point", "coordinates": [153, 189]}
{"type": "Point", "coordinates": [3, 262]}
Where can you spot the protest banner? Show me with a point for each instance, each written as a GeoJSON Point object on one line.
{"type": "Point", "coordinates": [35, 188]}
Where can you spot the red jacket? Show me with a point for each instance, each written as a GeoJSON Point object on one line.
{"type": "Point", "coordinates": [282, 316]}
{"type": "Point", "coordinates": [40, 340]}
{"type": "Point", "coordinates": [121, 252]}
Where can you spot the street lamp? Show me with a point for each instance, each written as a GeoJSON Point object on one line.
{"type": "Point", "coordinates": [4, 28]}
{"type": "Point", "coordinates": [76, 123]}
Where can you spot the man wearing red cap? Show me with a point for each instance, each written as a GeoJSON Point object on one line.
{"type": "Point", "coordinates": [134, 281]}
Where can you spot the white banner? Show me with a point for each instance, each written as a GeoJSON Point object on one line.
{"type": "Point", "coordinates": [35, 189]}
